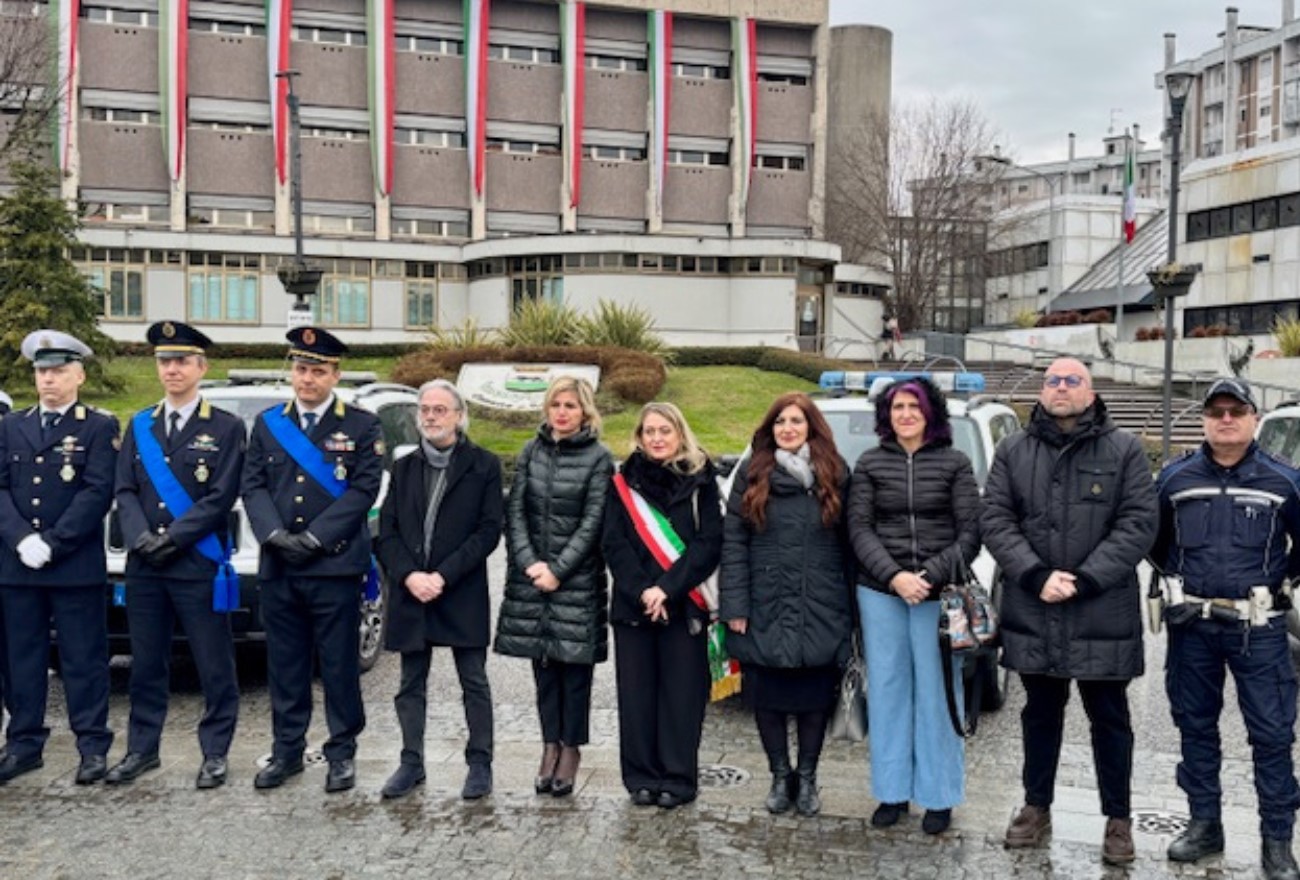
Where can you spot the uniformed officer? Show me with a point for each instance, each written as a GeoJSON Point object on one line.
{"type": "Point", "coordinates": [1227, 513]}
{"type": "Point", "coordinates": [177, 479]}
{"type": "Point", "coordinates": [311, 476]}
{"type": "Point", "coordinates": [56, 485]}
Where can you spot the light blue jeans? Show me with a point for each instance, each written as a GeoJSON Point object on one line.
{"type": "Point", "coordinates": [915, 754]}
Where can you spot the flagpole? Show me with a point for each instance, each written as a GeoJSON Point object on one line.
{"type": "Point", "coordinates": [1119, 303]}
{"type": "Point", "coordinates": [1128, 208]}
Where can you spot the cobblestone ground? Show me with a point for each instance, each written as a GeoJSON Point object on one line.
{"type": "Point", "coordinates": [162, 828]}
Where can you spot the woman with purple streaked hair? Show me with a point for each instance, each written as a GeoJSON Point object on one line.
{"type": "Point", "coordinates": [913, 523]}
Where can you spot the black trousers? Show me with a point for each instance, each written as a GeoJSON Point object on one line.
{"type": "Point", "coordinates": [79, 616]}
{"type": "Point", "coordinates": [663, 689]}
{"type": "Point", "coordinates": [1042, 724]}
{"type": "Point", "coordinates": [564, 701]}
{"type": "Point", "coordinates": [152, 608]}
{"type": "Point", "coordinates": [308, 617]}
{"type": "Point", "coordinates": [412, 703]}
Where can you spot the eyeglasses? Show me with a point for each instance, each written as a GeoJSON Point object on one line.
{"type": "Point", "coordinates": [1073, 380]}
{"type": "Point", "coordinates": [1235, 410]}
{"type": "Point", "coordinates": [436, 411]}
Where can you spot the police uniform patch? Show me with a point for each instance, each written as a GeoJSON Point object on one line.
{"type": "Point", "coordinates": [1096, 488]}
{"type": "Point", "coordinates": [340, 442]}
{"type": "Point", "coordinates": [168, 329]}
{"type": "Point", "coordinates": [204, 443]}
{"type": "Point", "coordinates": [309, 336]}
{"type": "Point", "coordinates": [380, 447]}
{"type": "Point", "coordinates": [117, 443]}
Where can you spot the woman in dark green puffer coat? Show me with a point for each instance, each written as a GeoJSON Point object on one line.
{"type": "Point", "coordinates": [556, 603]}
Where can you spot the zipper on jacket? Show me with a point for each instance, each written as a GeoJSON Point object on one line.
{"type": "Point", "coordinates": [911, 515]}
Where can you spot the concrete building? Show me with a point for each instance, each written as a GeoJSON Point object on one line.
{"type": "Point", "coordinates": [668, 154]}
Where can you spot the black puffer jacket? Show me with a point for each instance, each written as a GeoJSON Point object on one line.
{"type": "Point", "coordinates": [1082, 502]}
{"type": "Point", "coordinates": [917, 512]}
{"type": "Point", "coordinates": [791, 580]}
{"type": "Point", "coordinates": [684, 499]}
{"type": "Point", "coordinates": [554, 515]}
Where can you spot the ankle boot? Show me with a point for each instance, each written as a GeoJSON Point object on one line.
{"type": "Point", "coordinates": [807, 802]}
{"type": "Point", "coordinates": [546, 770]}
{"type": "Point", "coordinates": [1203, 837]}
{"type": "Point", "coordinates": [778, 799]}
{"type": "Point", "coordinates": [1279, 863]}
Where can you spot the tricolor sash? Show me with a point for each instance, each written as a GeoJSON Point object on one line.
{"type": "Point", "coordinates": [655, 531]}
{"type": "Point", "coordinates": [225, 584]}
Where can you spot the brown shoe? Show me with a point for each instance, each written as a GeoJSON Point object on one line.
{"type": "Point", "coordinates": [1029, 828]}
{"type": "Point", "coordinates": [1117, 847]}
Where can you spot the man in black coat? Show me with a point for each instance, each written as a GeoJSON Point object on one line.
{"type": "Point", "coordinates": [1069, 512]}
{"type": "Point", "coordinates": [312, 473]}
{"type": "Point", "coordinates": [439, 523]}
{"type": "Point", "coordinates": [56, 485]}
{"type": "Point", "coordinates": [178, 565]}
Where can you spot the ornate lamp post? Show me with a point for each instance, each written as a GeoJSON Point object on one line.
{"type": "Point", "coordinates": [300, 280]}
{"type": "Point", "coordinates": [1172, 280]}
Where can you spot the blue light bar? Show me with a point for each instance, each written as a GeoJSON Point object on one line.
{"type": "Point", "coordinates": [854, 380]}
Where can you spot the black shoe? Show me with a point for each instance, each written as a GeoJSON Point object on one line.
{"type": "Point", "coordinates": [478, 782]}
{"type": "Point", "coordinates": [11, 766]}
{"type": "Point", "coordinates": [545, 780]}
{"type": "Point", "coordinates": [403, 781]}
{"type": "Point", "coordinates": [887, 815]}
{"type": "Point", "coordinates": [342, 775]}
{"type": "Point", "coordinates": [936, 821]}
{"type": "Point", "coordinates": [778, 797]}
{"type": "Point", "coordinates": [275, 773]}
{"type": "Point", "coordinates": [670, 801]}
{"type": "Point", "coordinates": [1279, 863]}
{"type": "Point", "coordinates": [807, 802]}
{"type": "Point", "coordinates": [644, 797]}
{"type": "Point", "coordinates": [212, 773]}
{"type": "Point", "coordinates": [1203, 837]}
{"type": "Point", "coordinates": [132, 767]}
{"type": "Point", "coordinates": [566, 771]}
{"type": "Point", "coordinates": [92, 769]}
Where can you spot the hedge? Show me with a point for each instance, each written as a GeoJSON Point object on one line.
{"type": "Point", "coordinates": [274, 350]}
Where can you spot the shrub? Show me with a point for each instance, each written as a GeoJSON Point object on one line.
{"type": "Point", "coordinates": [718, 355]}
{"type": "Point", "coordinates": [273, 350]}
{"type": "Point", "coordinates": [1287, 333]}
{"type": "Point", "coordinates": [1198, 333]}
{"type": "Point", "coordinates": [801, 364]}
{"type": "Point", "coordinates": [1026, 319]}
{"type": "Point", "coordinates": [1217, 330]}
{"type": "Point", "coordinates": [468, 334]}
{"type": "Point", "coordinates": [540, 322]}
{"type": "Point", "coordinates": [635, 385]}
{"type": "Point", "coordinates": [1042, 321]}
{"type": "Point", "coordinates": [620, 326]}
{"type": "Point", "coordinates": [1098, 316]}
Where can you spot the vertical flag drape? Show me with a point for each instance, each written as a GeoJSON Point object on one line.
{"type": "Point", "coordinates": [380, 48]}
{"type": "Point", "coordinates": [745, 63]}
{"type": "Point", "coordinates": [173, 52]}
{"type": "Point", "coordinates": [574, 27]}
{"type": "Point", "coordinates": [279, 24]}
{"type": "Point", "coordinates": [1130, 193]}
{"type": "Point", "coordinates": [661, 77]}
{"type": "Point", "coordinates": [65, 17]}
{"type": "Point", "coordinates": [477, 14]}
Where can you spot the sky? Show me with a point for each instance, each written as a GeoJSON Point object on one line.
{"type": "Point", "coordinates": [1041, 69]}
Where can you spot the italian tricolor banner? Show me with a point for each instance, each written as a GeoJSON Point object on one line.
{"type": "Point", "coordinates": [744, 54]}
{"type": "Point", "coordinates": [477, 13]}
{"type": "Point", "coordinates": [661, 78]}
{"type": "Point", "coordinates": [380, 48]}
{"type": "Point", "coordinates": [1130, 194]}
{"type": "Point", "coordinates": [173, 59]}
{"type": "Point", "coordinates": [573, 15]}
{"type": "Point", "coordinates": [65, 16]}
{"type": "Point", "coordinates": [279, 24]}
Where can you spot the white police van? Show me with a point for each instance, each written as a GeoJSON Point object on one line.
{"type": "Point", "coordinates": [246, 393]}
{"type": "Point", "coordinates": [1279, 433]}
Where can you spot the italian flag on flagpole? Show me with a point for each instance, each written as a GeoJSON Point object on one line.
{"type": "Point", "coordinates": [1130, 194]}
{"type": "Point", "coordinates": [477, 13]}
{"type": "Point", "coordinates": [661, 78]}
{"type": "Point", "coordinates": [379, 46]}
{"type": "Point", "coordinates": [65, 16]}
{"type": "Point", "coordinates": [173, 57]}
{"type": "Point", "coordinates": [574, 28]}
{"type": "Point", "coordinates": [745, 59]}
{"type": "Point", "coordinates": [279, 25]}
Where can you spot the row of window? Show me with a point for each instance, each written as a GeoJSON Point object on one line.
{"type": "Point", "coordinates": [855, 288]}
{"type": "Point", "coordinates": [1245, 319]}
{"type": "Point", "coordinates": [139, 258]}
{"type": "Point", "coordinates": [637, 263]}
{"type": "Point", "coordinates": [1244, 217]}
{"type": "Point", "coordinates": [1015, 260]}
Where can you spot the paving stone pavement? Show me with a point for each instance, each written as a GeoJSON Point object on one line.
{"type": "Point", "coordinates": [161, 827]}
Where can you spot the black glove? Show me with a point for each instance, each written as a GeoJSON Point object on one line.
{"type": "Point", "coordinates": [296, 549]}
{"type": "Point", "coordinates": [165, 553]}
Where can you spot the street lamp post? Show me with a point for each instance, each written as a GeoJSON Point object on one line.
{"type": "Point", "coordinates": [298, 278]}
{"type": "Point", "coordinates": [1051, 181]}
{"type": "Point", "coordinates": [1178, 84]}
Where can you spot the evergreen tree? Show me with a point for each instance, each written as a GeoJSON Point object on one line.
{"type": "Point", "coordinates": [40, 286]}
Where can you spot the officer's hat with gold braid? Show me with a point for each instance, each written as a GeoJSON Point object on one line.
{"type": "Point", "coordinates": [172, 339]}
{"type": "Point", "coordinates": [313, 345]}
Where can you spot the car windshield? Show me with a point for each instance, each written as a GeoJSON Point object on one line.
{"type": "Point", "coordinates": [855, 433]}
{"type": "Point", "coordinates": [247, 408]}
{"type": "Point", "coordinates": [1280, 435]}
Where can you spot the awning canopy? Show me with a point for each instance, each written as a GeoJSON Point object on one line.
{"type": "Point", "coordinates": [1137, 298]}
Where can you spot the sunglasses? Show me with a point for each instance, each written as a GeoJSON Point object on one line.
{"type": "Point", "coordinates": [1235, 410]}
{"type": "Point", "coordinates": [1073, 380]}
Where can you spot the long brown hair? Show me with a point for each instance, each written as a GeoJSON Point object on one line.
{"type": "Point", "coordinates": [762, 460]}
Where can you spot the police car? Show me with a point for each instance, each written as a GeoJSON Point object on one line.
{"type": "Point", "coordinates": [978, 425]}
{"type": "Point", "coordinates": [246, 393]}
{"type": "Point", "coordinates": [1279, 433]}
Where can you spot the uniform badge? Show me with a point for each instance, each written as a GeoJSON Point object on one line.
{"type": "Point", "coordinates": [309, 336]}
{"type": "Point", "coordinates": [117, 443]}
{"type": "Point", "coordinates": [1096, 489]}
{"type": "Point", "coordinates": [340, 442]}
{"type": "Point", "coordinates": [201, 473]}
{"type": "Point", "coordinates": [204, 443]}
{"type": "Point", "coordinates": [168, 329]}
{"type": "Point", "coordinates": [379, 447]}
{"type": "Point", "coordinates": [340, 472]}
{"type": "Point", "coordinates": [68, 473]}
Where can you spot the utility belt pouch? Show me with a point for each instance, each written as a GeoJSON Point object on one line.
{"type": "Point", "coordinates": [1261, 604]}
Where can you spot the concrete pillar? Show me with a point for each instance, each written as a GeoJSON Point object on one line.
{"type": "Point", "coordinates": [1230, 90]}
{"type": "Point", "coordinates": [1288, 11]}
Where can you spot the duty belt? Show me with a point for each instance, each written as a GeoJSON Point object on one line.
{"type": "Point", "coordinates": [1258, 610]}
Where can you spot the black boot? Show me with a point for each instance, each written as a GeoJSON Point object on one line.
{"type": "Point", "coordinates": [1203, 837]}
{"type": "Point", "coordinates": [778, 799]}
{"type": "Point", "coordinates": [1279, 863]}
{"type": "Point", "coordinates": [807, 802]}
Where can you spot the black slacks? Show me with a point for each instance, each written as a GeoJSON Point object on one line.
{"type": "Point", "coordinates": [412, 703]}
{"type": "Point", "coordinates": [564, 701]}
{"type": "Point", "coordinates": [1042, 725]}
{"type": "Point", "coordinates": [663, 689]}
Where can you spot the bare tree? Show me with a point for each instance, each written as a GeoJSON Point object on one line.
{"type": "Point", "coordinates": [28, 97]}
{"type": "Point", "coordinates": [923, 214]}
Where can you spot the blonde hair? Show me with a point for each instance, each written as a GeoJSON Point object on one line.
{"type": "Point", "coordinates": [581, 389]}
{"type": "Point", "coordinates": [691, 457]}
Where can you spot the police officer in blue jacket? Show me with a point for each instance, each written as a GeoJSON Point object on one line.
{"type": "Point", "coordinates": [177, 479]}
{"type": "Point", "coordinates": [56, 485]}
{"type": "Point", "coordinates": [1228, 512]}
{"type": "Point", "coordinates": [311, 476]}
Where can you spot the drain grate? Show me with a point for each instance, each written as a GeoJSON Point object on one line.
{"type": "Point", "coordinates": [722, 776]}
{"type": "Point", "coordinates": [1159, 822]}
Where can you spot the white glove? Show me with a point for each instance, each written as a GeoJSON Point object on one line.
{"type": "Point", "coordinates": [34, 552]}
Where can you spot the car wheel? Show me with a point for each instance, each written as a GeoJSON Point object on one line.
{"type": "Point", "coordinates": [374, 617]}
{"type": "Point", "coordinates": [994, 680]}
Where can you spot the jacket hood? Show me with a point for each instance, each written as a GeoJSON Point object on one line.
{"type": "Point", "coordinates": [584, 436]}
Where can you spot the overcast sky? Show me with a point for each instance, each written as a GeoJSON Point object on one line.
{"type": "Point", "coordinates": [1043, 68]}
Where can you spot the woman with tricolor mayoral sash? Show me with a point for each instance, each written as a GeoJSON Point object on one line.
{"type": "Point", "coordinates": [662, 538]}
{"type": "Point", "coordinates": [786, 588]}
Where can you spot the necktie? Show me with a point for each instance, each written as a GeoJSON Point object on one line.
{"type": "Point", "coordinates": [308, 422]}
{"type": "Point", "coordinates": [51, 419]}
{"type": "Point", "coordinates": [174, 425]}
